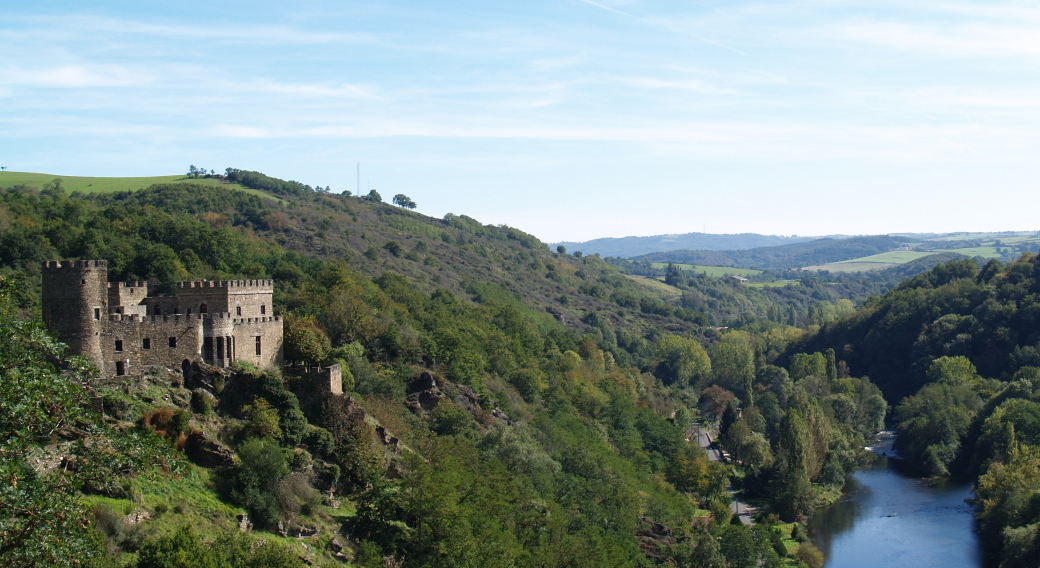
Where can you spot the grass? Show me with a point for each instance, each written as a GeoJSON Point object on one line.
{"type": "Point", "coordinates": [851, 266]}
{"type": "Point", "coordinates": [890, 257]}
{"type": "Point", "coordinates": [716, 271]}
{"type": "Point", "coordinates": [987, 252]}
{"type": "Point", "coordinates": [777, 284]}
{"type": "Point", "coordinates": [656, 286]}
{"type": "Point", "coordinates": [111, 184]}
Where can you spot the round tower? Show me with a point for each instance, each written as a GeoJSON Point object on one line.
{"type": "Point", "coordinates": [75, 304]}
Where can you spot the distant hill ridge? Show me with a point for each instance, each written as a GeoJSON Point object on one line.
{"type": "Point", "coordinates": [627, 247]}
{"type": "Point", "coordinates": [787, 256]}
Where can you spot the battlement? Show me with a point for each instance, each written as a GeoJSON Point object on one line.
{"type": "Point", "coordinates": [256, 320]}
{"type": "Point", "coordinates": [135, 284]}
{"type": "Point", "coordinates": [74, 264]}
{"type": "Point", "coordinates": [260, 284]}
{"type": "Point", "coordinates": [140, 318]}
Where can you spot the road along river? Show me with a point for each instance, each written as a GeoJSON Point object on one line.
{"type": "Point", "coordinates": [887, 518]}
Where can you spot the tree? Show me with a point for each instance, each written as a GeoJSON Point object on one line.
{"type": "Point", "coordinates": [561, 249]}
{"type": "Point", "coordinates": [403, 200]}
{"type": "Point", "coordinates": [681, 360]}
{"type": "Point", "coordinates": [373, 195]}
{"type": "Point", "coordinates": [808, 365]}
{"type": "Point", "coordinates": [734, 368]}
{"type": "Point", "coordinates": [305, 340]}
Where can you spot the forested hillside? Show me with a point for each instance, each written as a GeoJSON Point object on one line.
{"type": "Point", "coordinates": [788, 256]}
{"type": "Point", "coordinates": [507, 405]}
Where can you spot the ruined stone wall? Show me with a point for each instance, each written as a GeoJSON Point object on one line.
{"type": "Point", "coordinates": [132, 331]}
{"type": "Point", "coordinates": [326, 379]}
{"type": "Point", "coordinates": [246, 332]}
{"type": "Point", "coordinates": [75, 303]}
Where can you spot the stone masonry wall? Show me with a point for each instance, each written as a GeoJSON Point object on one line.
{"type": "Point", "coordinates": [75, 303]}
{"type": "Point", "coordinates": [253, 298]}
{"type": "Point", "coordinates": [269, 330]}
{"type": "Point", "coordinates": [131, 331]}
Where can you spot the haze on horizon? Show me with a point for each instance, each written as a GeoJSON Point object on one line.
{"type": "Point", "coordinates": [572, 120]}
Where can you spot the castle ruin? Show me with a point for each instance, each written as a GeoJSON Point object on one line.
{"type": "Point", "coordinates": [122, 329]}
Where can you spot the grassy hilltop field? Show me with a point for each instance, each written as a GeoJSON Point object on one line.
{"type": "Point", "coordinates": [85, 184]}
{"type": "Point", "coordinates": [504, 404]}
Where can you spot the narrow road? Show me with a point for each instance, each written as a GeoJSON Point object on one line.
{"type": "Point", "coordinates": [737, 506]}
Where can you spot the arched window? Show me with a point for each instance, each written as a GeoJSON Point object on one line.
{"type": "Point", "coordinates": [202, 308]}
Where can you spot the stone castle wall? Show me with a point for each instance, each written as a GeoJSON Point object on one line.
{"type": "Point", "coordinates": [122, 330]}
{"type": "Point", "coordinates": [171, 340]}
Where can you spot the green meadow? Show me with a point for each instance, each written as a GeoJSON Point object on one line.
{"type": "Point", "coordinates": [890, 257]}
{"type": "Point", "coordinates": [716, 271]}
{"type": "Point", "coordinates": [109, 184]}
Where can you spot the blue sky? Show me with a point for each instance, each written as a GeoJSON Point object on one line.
{"type": "Point", "coordinates": [571, 119]}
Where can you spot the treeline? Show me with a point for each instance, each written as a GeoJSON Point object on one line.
{"type": "Point", "coordinates": [257, 180]}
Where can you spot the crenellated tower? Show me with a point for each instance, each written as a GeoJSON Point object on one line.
{"type": "Point", "coordinates": [75, 304]}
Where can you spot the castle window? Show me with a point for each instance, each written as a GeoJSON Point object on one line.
{"type": "Point", "coordinates": [238, 310]}
{"type": "Point", "coordinates": [158, 310]}
{"type": "Point", "coordinates": [258, 345]}
{"type": "Point", "coordinates": [146, 343]}
{"type": "Point", "coordinates": [173, 342]}
{"type": "Point", "coordinates": [176, 310]}
{"type": "Point", "coordinates": [202, 308]}
{"type": "Point", "coordinates": [263, 309]}
{"type": "Point", "coordinates": [119, 346]}
{"type": "Point", "coordinates": [82, 281]}
{"type": "Point", "coordinates": [120, 368]}
{"type": "Point", "coordinates": [189, 311]}
{"type": "Point", "coordinates": [97, 313]}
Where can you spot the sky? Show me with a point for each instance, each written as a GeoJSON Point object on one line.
{"type": "Point", "coordinates": [569, 119]}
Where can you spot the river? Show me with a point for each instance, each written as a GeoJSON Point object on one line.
{"type": "Point", "coordinates": [887, 518]}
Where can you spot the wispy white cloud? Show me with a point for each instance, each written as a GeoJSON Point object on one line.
{"type": "Point", "coordinates": [76, 76]}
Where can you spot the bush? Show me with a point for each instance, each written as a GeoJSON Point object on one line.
{"type": "Point", "coordinates": [251, 481]}
{"type": "Point", "coordinates": [319, 441]}
{"type": "Point", "coordinates": [527, 383]}
{"type": "Point", "coordinates": [201, 402]}
{"type": "Point", "coordinates": [116, 404]}
{"type": "Point", "coordinates": [449, 419]}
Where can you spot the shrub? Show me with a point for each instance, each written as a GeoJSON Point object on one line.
{"type": "Point", "coordinates": [449, 419]}
{"type": "Point", "coordinates": [117, 404]}
{"type": "Point", "coordinates": [201, 402]}
{"type": "Point", "coordinates": [261, 420]}
{"type": "Point", "coordinates": [250, 482]}
{"type": "Point", "coordinates": [319, 441]}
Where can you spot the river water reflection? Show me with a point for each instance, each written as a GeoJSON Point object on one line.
{"type": "Point", "coordinates": [888, 518]}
